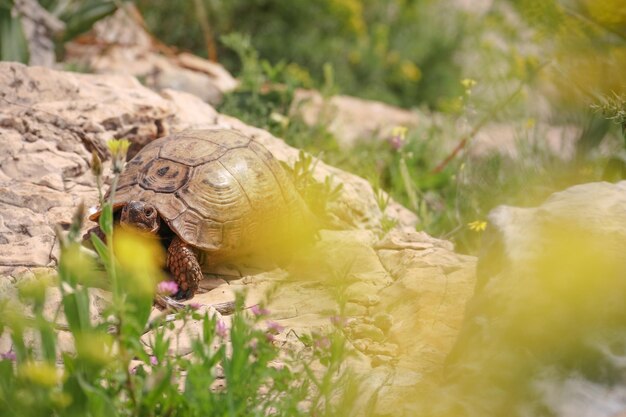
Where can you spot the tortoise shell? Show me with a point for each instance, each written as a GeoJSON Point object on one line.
{"type": "Point", "coordinates": [218, 190]}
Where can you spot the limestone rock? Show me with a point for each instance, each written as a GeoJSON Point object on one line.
{"type": "Point", "coordinates": [40, 28]}
{"type": "Point", "coordinates": [351, 118]}
{"type": "Point", "coordinates": [50, 122]}
{"type": "Point", "coordinates": [120, 44]}
{"type": "Point", "coordinates": [547, 319]}
{"type": "Point", "coordinates": [595, 212]}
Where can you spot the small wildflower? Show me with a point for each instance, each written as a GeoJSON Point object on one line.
{"type": "Point", "coordinates": [530, 123]}
{"type": "Point", "coordinates": [8, 356]}
{"type": "Point", "coordinates": [398, 137]}
{"type": "Point", "coordinates": [60, 399]}
{"type": "Point", "coordinates": [195, 306]}
{"type": "Point", "coordinates": [259, 311]}
{"type": "Point", "coordinates": [338, 321]}
{"type": "Point", "coordinates": [43, 374]}
{"type": "Point", "coordinates": [477, 225]}
{"type": "Point", "coordinates": [154, 361]}
{"type": "Point", "coordinates": [77, 219]}
{"type": "Point", "coordinates": [96, 164]}
{"type": "Point", "coordinates": [410, 71]}
{"type": "Point", "coordinates": [274, 327]}
{"type": "Point", "coordinates": [220, 328]}
{"type": "Point", "coordinates": [254, 343]}
{"type": "Point", "coordinates": [119, 149]}
{"type": "Point", "coordinates": [133, 370]}
{"type": "Point", "coordinates": [167, 288]}
{"type": "Point", "coordinates": [280, 119]}
{"type": "Point", "coordinates": [468, 84]}
{"type": "Point", "coordinates": [322, 343]}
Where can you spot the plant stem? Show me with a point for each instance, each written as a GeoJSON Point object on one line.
{"type": "Point", "coordinates": [481, 123]}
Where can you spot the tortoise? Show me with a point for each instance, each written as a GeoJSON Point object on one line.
{"type": "Point", "coordinates": [211, 195]}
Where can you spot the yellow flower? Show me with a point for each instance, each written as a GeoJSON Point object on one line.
{"type": "Point", "coordinates": [141, 256]}
{"type": "Point", "coordinates": [398, 137]}
{"type": "Point", "coordinates": [40, 373]}
{"type": "Point", "coordinates": [280, 119]}
{"type": "Point", "coordinates": [410, 71]}
{"type": "Point", "coordinates": [477, 225]}
{"type": "Point", "coordinates": [400, 132]}
{"type": "Point", "coordinates": [61, 399]}
{"type": "Point", "coordinates": [118, 146]}
{"type": "Point", "coordinates": [468, 83]}
{"type": "Point", "coordinates": [119, 149]}
{"type": "Point", "coordinates": [530, 123]}
{"type": "Point", "coordinates": [393, 57]}
{"type": "Point", "coordinates": [94, 347]}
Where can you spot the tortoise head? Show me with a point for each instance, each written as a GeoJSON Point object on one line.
{"type": "Point", "coordinates": [140, 215]}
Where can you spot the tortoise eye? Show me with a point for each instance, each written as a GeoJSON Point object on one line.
{"type": "Point", "coordinates": [149, 212]}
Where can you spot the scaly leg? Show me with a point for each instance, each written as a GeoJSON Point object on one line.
{"type": "Point", "coordinates": [183, 264]}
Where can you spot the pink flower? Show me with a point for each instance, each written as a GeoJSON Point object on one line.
{"type": "Point", "coordinates": [167, 288]}
{"type": "Point", "coordinates": [8, 356]}
{"type": "Point", "coordinates": [322, 343]}
{"type": "Point", "coordinates": [254, 344]}
{"type": "Point", "coordinates": [259, 311]}
{"type": "Point", "coordinates": [339, 321]}
{"type": "Point", "coordinates": [397, 140]}
{"type": "Point", "coordinates": [195, 306]}
{"type": "Point", "coordinates": [273, 327]}
{"type": "Point", "coordinates": [220, 328]}
{"type": "Point", "coordinates": [154, 361]}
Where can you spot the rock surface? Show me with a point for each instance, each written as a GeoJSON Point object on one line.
{"type": "Point", "coordinates": [120, 44]}
{"type": "Point", "coordinates": [351, 119]}
{"type": "Point", "coordinates": [405, 291]}
{"type": "Point", "coordinates": [546, 324]}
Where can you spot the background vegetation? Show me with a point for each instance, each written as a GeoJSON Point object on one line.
{"type": "Point", "coordinates": [467, 65]}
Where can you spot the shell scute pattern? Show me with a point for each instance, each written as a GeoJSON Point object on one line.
{"type": "Point", "coordinates": [217, 189]}
{"type": "Point", "coordinates": [164, 176]}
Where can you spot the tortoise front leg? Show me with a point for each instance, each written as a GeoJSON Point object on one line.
{"type": "Point", "coordinates": [183, 264]}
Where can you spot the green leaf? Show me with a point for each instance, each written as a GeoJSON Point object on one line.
{"type": "Point", "coordinates": [99, 403]}
{"type": "Point", "coordinates": [106, 220]}
{"type": "Point", "coordinates": [76, 307]}
{"type": "Point", "coordinates": [82, 20]}
{"type": "Point", "coordinates": [48, 341]}
{"type": "Point", "coordinates": [100, 248]}
{"type": "Point", "coordinates": [13, 45]}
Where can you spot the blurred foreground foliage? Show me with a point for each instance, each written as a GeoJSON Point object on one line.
{"type": "Point", "coordinates": [545, 337]}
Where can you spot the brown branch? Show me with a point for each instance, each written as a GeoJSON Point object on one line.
{"type": "Point", "coordinates": [483, 121]}
{"type": "Point", "coordinates": [206, 30]}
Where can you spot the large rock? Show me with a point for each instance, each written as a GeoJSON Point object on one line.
{"type": "Point", "coordinates": [351, 119]}
{"type": "Point", "coordinates": [120, 44]}
{"type": "Point", "coordinates": [546, 326]}
{"type": "Point", "coordinates": [51, 121]}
